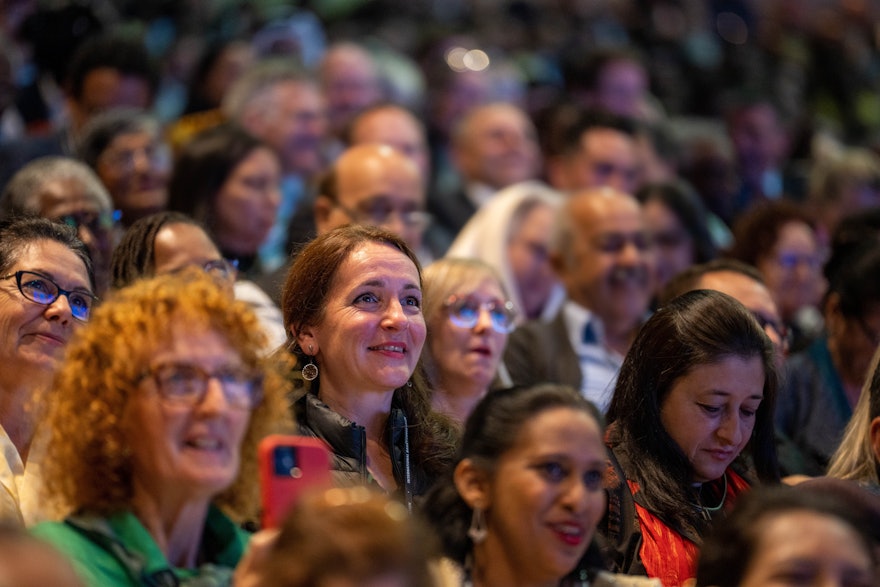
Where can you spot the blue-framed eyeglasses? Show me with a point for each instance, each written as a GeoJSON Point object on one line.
{"type": "Point", "coordinates": [464, 312]}
{"type": "Point", "coordinates": [41, 289]}
{"type": "Point", "coordinates": [186, 384]}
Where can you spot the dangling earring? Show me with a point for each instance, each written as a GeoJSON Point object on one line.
{"type": "Point", "coordinates": [310, 371]}
{"type": "Point", "coordinates": [478, 530]}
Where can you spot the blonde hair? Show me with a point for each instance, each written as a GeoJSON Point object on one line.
{"type": "Point", "coordinates": [441, 279]}
{"type": "Point", "coordinates": [91, 467]}
{"type": "Point", "coordinates": [854, 458]}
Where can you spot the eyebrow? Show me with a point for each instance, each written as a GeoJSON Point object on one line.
{"type": "Point", "coordinates": [53, 277]}
{"type": "Point", "coordinates": [723, 393]}
{"type": "Point", "coordinates": [381, 283]}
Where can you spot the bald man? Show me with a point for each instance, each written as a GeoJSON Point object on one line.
{"type": "Point", "coordinates": [604, 258]}
{"type": "Point", "coordinates": [377, 185]}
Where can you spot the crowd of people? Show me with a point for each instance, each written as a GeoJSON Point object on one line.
{"type": "Point", "coordinates": [572, 293]}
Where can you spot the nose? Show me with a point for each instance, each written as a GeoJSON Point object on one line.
{"type": "Point", "coordinates": [484, 321]}
{"type": "Point", "coordinates": [730, 430]}
{"type": "Point", "coordinates": [59, 310]}
{"type": "Point", "coordinates": [575, 497]}
{"type": "Point", "coordinates": [214, 401]}
{"type": "Point", "coordinates": [630, 254]}
{"type": "Point", "coordinates": [141, 162]}
{"type": "Point", "coordinates": [395, 317]}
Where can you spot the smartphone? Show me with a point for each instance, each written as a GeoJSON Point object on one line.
{"type": "Point", "coordinates": [290, 465]}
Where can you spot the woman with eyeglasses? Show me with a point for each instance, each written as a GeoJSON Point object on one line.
{"type": "Point", "coordinates": [46, 285]}
{"type": "Point", "coordinates": [153, 423]}
{"type": "Point", "coordinates": [352, 304]}
{"type": "Point", "coordinates": [469, 316]}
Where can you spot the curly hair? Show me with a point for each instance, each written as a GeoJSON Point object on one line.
{"type": "Point", "coordinates": [91, 467]}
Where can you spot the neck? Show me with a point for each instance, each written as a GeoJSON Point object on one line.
{"type": "Point", "coordinates": [17, 417]}
{"type": "Point", "coordinates": [367, 409]}
{"type": "Point", "coordinates": [457, 406]}
{"type": "Point", "coordinates": [492, 568]}
{"type": "Point", "coordinates": [619, 338]}
{"type": "Point", "coordinates": [177, 529]}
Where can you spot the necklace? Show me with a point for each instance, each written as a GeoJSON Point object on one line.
{"type": "Point", "coordinates": [708, 511]}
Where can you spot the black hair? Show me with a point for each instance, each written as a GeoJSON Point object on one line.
{"type": "Point", "coordinates": [490, 431]}
{"type": "Point", "coordinates": [684, 202]}
{"type": "Point", "coordinates": [700, 327]}
{"type": "Point", "coordinates": [135, 256]}
{"type": "Point", "coordinates": [730, 549]}
{"type": "Point", "coordinates": [126, 55]}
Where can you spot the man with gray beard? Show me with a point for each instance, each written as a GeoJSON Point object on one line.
{"type": "Point", "coordinates": [604, 257]}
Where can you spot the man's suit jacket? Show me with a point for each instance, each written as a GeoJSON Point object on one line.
{"type": "Point", "coordinates": [540, 352]}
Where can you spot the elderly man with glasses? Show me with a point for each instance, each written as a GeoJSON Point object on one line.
{"type": "Point", "coordinates": [46, 293]}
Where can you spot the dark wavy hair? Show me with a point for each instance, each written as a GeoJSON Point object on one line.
{"type": "Point", "coordinates": [490, 431]}
{"type": "Point", "coordinates": [303, 301]}
{"type": "Point", "coordinates": [700, 327]}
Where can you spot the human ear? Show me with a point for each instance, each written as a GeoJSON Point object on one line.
{"type": "Point", "coordinates": [472, 484]}
{"type": "Point", "coordinates": [305, 338]}
{"type": "Point", "coordinates": [323, 208]}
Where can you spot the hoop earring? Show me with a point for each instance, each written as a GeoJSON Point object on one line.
{"type": "Point", "coordinates": [310, 371]}
{"type": "Point", "coordinates": [478, 530]}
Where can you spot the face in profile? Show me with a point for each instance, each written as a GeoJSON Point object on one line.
{"type": "Point", "coordinates": [247, 204]}
{"type": "Point", "coordinates": [802, 548]}
{"type": "Point", "coordinates": [372, 330]}
{"type": "Point", "coordinates": [184, 444]}
{"type": "Point", "coordinates": [469, 336]}
{"type": "Point", "coordinates": [546, 496]}
{"type": "Point", "coordinates": [33, 335]}
{"type": "Point", "coordinates": [528, 251]}
{"type": "Point", "coordinates": [710, 412]}
{"type": "Point", "coordinates": [179, 245]}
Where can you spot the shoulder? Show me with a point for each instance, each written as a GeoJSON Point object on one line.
{"type": "Point", "coordinates": [95, 565]}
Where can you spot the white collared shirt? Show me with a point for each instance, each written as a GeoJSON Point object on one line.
{"type": "Point", "coordinates": [11, 475]}
{"type": "Point", "coordinates": [599, 364]}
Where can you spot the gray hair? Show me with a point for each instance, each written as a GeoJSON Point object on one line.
{"type": "Point", "coordinates": [249, 92]}
{"type": "Point", "coordinates": [20, 196]}
{"type": "Point", "coordinates": [106, 126]}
